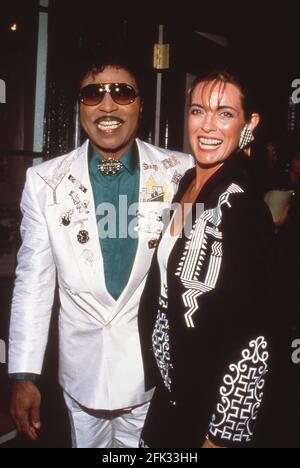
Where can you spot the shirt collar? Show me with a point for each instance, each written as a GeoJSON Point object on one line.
{"type": "Point", "coordinates": [129, 159]}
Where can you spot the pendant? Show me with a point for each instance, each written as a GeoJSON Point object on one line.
{"type": "Point", "coordinates": [83, 236]}
{"type": "Point", "coordinates": [110, 167]}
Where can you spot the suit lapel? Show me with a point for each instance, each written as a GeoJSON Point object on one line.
{"type": "Point", "coordinates": [84, 226]}
{"type": "Point", "coordinates": [151, 175]}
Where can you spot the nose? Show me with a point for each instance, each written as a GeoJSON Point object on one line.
{"type": "Point", "coordinates": [209, 123]}
{"type": "Point", "coordinates": [108, 105]}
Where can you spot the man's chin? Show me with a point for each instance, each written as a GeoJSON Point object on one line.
{"type": "Point", "coordinates": [113, 149]}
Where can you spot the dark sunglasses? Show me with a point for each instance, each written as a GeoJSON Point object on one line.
{"type": "Point", "coordinates": [121, 93]}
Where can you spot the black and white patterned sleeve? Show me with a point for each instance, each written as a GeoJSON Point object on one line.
{"type": "Point", "coordinates": [240, 395]}
{"type": "Point", "coordinates": [246, 328]}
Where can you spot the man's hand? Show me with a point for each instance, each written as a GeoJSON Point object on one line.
{"type": "Point", "coordinates": [25, 408]}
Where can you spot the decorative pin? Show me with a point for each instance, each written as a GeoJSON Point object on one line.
{"type": "Point", "coordinates": [148, 167]}
{"type": "Point", "coordinates": [170, 162]}
{"type": "Point", "coordinates": [110, 167]}
{"type": "Point", "coordinates": [83, 236]}
{"type": "Point", "coordinates": [150, 223]}
{"type": "Point", "coordinates": [65, 218]}
{"type": "Point", "coordinates": [176, 178]}
{"type": "Point", "coordinates": [81, 206]}
{"type": "Point", "coordinates": [77, 183]}
{"type": "Point", "coordinates": [153, 243]}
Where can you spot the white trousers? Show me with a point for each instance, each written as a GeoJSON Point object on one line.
{"type": "Point", "coordinates": [105, 429]}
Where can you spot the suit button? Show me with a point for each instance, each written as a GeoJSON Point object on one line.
{"type": "Point", "coordinates": [173, 403]}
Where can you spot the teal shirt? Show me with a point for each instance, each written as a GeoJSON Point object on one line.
{"type": "Point", "coordinates": [118, 248]}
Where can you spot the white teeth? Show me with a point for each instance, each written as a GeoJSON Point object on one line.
{"type": "Point", "coordinates": [210, 141]}
{"type": "Point", "coordinates": [109, 125]}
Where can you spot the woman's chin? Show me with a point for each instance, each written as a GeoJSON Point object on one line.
{"type": "Point", "coordinates": [208, 162]}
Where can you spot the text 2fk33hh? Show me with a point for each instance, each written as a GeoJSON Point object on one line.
{"type": "Point", "coordinates": [151, 457]}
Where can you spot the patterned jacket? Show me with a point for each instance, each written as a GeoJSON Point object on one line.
{"type": "Point", "coordinates": [207, 349]}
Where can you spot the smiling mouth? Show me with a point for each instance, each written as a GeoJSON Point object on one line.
{"type": "Point", "coordinates": [209, 143]}
{"type": "Point", "coordinates": [108, 125]}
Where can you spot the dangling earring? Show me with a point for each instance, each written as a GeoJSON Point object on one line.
{"type": "Point", "coordinates": [246, 137]}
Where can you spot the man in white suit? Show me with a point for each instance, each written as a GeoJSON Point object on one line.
{"type": "Point", "coordinates": [68, 204]}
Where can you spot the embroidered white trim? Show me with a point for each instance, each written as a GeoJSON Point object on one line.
{"type": "Point", "coordinates": [161, 344]}
{"type": "Point", "coordinates": [204, 245]}
{"type": "Point", "coordinates": [241, 394]}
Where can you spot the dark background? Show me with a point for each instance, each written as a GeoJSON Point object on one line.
{"type": "Point", "coordinates": [264, 46]}
{"type": "Point", "coordinates": [17, 69]}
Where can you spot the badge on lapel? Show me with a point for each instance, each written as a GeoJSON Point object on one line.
{"type": "Point", "coordinates": [77, 184]}
{"type": "Point", "coordinates": [65, 219]}
{"type": "Point", "coordinates": [154, 191]}
{"type": "Point", "coordinates": [80, 206]}
{"type": "Point", "coordinates": [83, 236]}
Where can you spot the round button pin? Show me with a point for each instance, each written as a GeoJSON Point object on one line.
{"type": "Point", "coordinates": [83, 237]}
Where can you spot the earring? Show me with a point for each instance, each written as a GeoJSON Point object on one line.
{"type": "Point", "coordinates": [246, 138]}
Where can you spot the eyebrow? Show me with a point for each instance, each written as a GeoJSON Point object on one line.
{"type": "Point", "coordinates": [219, 108]}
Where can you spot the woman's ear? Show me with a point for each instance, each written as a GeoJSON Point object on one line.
{"type": "Point", "coordinates": [254, 121]}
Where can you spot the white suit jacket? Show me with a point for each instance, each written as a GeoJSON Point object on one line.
{"type": "Point", "coordinates": [100, 363]}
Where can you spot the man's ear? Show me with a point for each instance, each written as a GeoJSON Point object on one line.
{"type": "Point", "coordinates": [254, 121]}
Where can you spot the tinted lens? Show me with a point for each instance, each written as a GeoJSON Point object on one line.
{"type": "Point", "coordinates": [123, 94]}
{"type": "Point", "coordinates": [91, 95]}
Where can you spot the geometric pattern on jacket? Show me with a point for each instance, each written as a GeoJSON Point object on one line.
{"type": "Point", "coordinates": [241, 395]}
{"type": "Point", "coordinates": [198, 250]}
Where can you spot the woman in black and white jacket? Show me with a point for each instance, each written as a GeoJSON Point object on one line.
{"type": "Point", "coordinates": [204, 317]}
